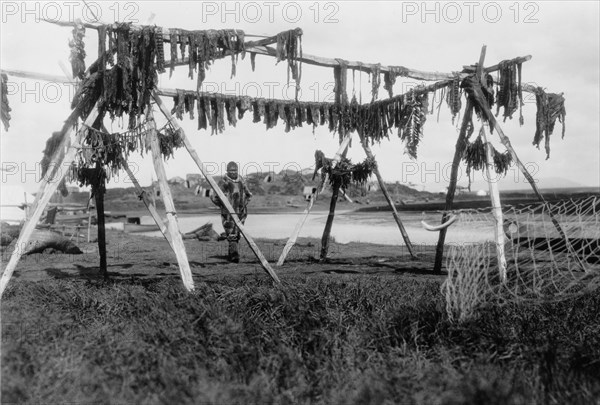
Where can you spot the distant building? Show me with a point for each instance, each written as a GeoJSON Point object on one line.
{"type": "Point", "coordinates": [193, 179]}
{"type": "Point", "coordinates": [459, 190]}
{"type": "Point", "coordinates": [176, 180]}
{"type": "Point", "coordinates": [203, 191]}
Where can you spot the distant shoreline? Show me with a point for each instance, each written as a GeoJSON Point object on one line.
{"type": "Point", "coordinates": [481, 203]}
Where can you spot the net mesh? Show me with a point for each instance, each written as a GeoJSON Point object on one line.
{"type": "Point", "coordinates": [552, 252]}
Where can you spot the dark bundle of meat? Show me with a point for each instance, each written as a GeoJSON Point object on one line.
{"type": "Point", "coordinates": [453, 97]}
{"type": "Point", "coordinates": [179, 104]}
{"type": "Point", "coordinates": [412, 119]}
{"type": "Point", "coordinates": [373, 121]}
{"type": "Point", "coordinates": [375, 81]}
{"type": "Point", "coordinates": [77, 56]}
{"type": "Point", "coordinates": [5, 107]}
{"type": "Point", "coordinates": [128, 85]}
{"type": "Point", "coordinates": [389, 78]}
{"type": "Point", "coordinates": [169, 139]}
{"type": "Point", "coordinates": [550, 106]}
{"type": "Point", "coordinates": [509, 89]}
{"type": "Point", "coordinates": [475, 156]}
{"type": "Point", "coordinates": [344, 172]}
{"type": "Point", "coordinates": [289, 47]}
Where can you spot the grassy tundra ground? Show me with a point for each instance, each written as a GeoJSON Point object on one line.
{"type": "Point", "coordinates": [358, 339]}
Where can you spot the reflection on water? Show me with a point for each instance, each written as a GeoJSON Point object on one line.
{"type": "Point", "coordinates": [348, 226]}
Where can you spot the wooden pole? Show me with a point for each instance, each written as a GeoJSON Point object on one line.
{"type": "Point", "coordinates": [479, 98]}
{"type": "Point", "coordinates": [215, 188]}
{"type": "Point", "coordinates": [331, 215]}
{"type": "Point", "coordinates": [386, 194]}
{"type": "Point", "coordinates": [328, 225]}
{"type": "Point", "coordinates": [45, 192]}
{"type": "Point", "coordinates": [150, 205]}
{"type": "Point", "coordinates": [292, 240]}
{"type": "Point", "coordinates": [259, 47]}
{"type": "Point", "coordinates": [165, 192]}
{"type": "Point", "coordinates": [461, 143]}
{"type": "Point", "coordinates": [496, 205]}
{"type": "Point", "coordinates": [173, 92]}
{"type": "Point", "coordinates": [99, 188]}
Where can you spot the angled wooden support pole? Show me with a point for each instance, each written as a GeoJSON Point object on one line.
{"type": "Point", "coordinates": [461, 143]}
{"type": "Point", "coordinates": [292, 240]}
{"type": "Point", "coordinates": [479, 98]}
{"type": "Point", "coordinates": [54, 167]}
{"type": "Point", "coordinates": [496, 205]}
{"type": "Point", "coordinates": [165, 192]}
{"type": "Point", "coordinates": [141, 193]}
{"type": "Point", "coordinates": [386, 194]}
{"type": "Point", "coordinates": [216, 188]}
{"type": "Point", "coordinates": [47, 188]}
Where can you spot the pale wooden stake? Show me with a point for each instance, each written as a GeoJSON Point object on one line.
{"type": "Point", "coordinates": [346, 196]}
{"type": "Point", "coordinates": [47, 188]}
{"type": "Point", "coordinates": [165, 192]}
{"type": "Point", "coordinates": [292, 240]}
{"type": "Point", "coordinates": [496, 205]}
{"type": "Point", "coordinates": [384, 190]}
{"type": "Point", "coordinates": [215, 188]}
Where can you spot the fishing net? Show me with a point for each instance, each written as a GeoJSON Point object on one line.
{"type": "Point", "coordinates": [552, 253]}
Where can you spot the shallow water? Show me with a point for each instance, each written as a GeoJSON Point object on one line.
{"type": "Point", "coordinates": [348, 226]}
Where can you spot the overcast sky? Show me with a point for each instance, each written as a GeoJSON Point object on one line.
{"type": "Point", "coordinates": [562, 37]}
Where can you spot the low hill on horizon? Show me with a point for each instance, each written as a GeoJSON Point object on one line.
{"type": "Point", "coordinates": [285, 189]}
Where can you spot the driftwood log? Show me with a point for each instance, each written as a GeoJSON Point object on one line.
{"type": "Point", "coordinates": [41, 239]}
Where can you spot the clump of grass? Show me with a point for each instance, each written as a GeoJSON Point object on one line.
{"type": "Point", "coordinates": [311, 340]}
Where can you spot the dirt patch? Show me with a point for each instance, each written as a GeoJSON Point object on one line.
{"type": "Point", "coordinates": [140, 256]}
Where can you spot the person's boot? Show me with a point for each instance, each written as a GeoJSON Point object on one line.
{"type": "Point", "coordinates": [234, 256]}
